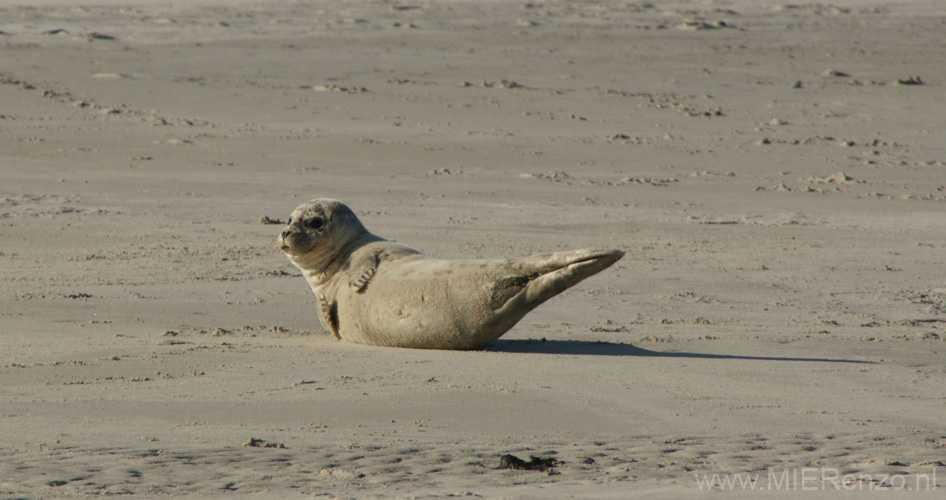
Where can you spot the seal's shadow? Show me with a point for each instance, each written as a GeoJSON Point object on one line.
{"type": "Point", "coordinates": [584, 348]}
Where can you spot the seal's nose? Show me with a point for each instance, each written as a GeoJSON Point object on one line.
{"type": "Point", "coordinates": [285, 232]}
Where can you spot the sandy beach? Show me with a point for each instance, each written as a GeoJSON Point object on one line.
{"type": "Point", "coordinates": [775, 171]}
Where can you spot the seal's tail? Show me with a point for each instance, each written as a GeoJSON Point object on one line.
{"type": "Point", "coordinates": [551, 274]}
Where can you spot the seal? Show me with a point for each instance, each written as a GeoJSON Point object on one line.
{"type": "Point", "coordinates": [377, 292]}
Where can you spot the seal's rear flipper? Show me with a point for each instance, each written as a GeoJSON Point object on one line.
{"type": "Point", "coordinates": [553, 273]}
{"type": "Point", "coordinates": [538, 278]}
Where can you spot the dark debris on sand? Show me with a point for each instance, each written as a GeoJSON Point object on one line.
{"type": "Point", "coordinates": [541, 464]}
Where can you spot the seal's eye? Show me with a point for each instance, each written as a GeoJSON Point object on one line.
{"type": "Point", "coordinates": [289, 223]}
{"type": "Point", "coordinates": [314, 223]}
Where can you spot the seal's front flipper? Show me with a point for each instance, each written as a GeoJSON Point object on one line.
{"type": "Point", "coordinates": [363, 270]}
{"type": "Point", "coordinates": [328, 315]}
{"type": "Point", "coordinates": [550, 274]}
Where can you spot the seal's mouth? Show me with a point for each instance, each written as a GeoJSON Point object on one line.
{"type": "Point", "coordinates": [284, 245]}
{"type": "Point", "coordinates": [293, 248]}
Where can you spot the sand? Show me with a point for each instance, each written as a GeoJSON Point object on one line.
{"type": "Point", "coordinates": [774, 170]}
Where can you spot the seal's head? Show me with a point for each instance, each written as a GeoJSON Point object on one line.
{"type": "Point", "coordinates": [318, 230]}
